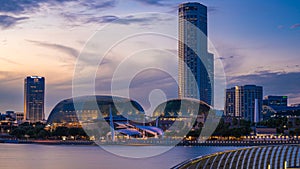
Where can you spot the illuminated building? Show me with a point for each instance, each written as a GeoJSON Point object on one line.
{"type": "Point", "coordinates": [65, 113]}
{"type": "Point", "coordinates": [275, 101]}
{"type": "Point", "coordinates": [34, 98]}
{"type": "Point", "coordinates": [101, 116]}
{"type": "Point", "coordinates": [196, 65]}
{"type": "Point", "coordinates": [240, 101]}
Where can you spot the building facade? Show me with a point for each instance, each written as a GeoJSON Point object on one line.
{"type": "Point", "coordinates": [196, 65]}
{"type": "Point", "coordinates": [230, 102]}
{"type": "Point", "coordinates": [240, 101]}
{"type": "Point", "coordinates": [19, 117]}
{"type": "Point", "coordinates": [34, 98]}
{"type": "Point", "coordinates": [276, 101]}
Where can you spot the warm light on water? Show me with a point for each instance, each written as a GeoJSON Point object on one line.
{"type": "Point", "coordinates": [18, 156]}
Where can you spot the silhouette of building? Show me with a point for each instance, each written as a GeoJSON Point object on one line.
{"type": "Point", "coordinates": [196, 65]}
{"type": "Point", "coordinates": [240, 101]}
{"type": "Point", "coordinates": [34, 98]}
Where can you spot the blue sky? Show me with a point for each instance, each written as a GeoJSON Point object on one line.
{"type": "Point", "coordinates": [257, 41]}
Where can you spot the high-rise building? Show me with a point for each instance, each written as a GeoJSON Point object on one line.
{"type": "Point", "coordinates": [240, 101]}
{"type": "Point", "coordinates": [34, 94]}
{"type": "Point", "coordinates": [196, 65]}
{"type": "Point", "coordinates": [230, 102]}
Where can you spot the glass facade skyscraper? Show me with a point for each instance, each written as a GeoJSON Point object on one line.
{"type": "Point", "coordinates": [240, 101]}
{"type": "Point", "coordinates": [34, 98]}
{"type": "Point", "coordinates": [196, 65]}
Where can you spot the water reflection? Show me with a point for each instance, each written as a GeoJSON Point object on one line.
{"type": "Point", "coordinates": [32, 156]}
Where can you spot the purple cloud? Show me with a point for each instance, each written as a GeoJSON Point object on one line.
{"type": "Point", "coordinates": [297, 25]}
{"type": "Point", "coordinates": [152, 2]}
{"type": "Point", "coordinates": [276, 83]}
{"type": "Point", "coordinates": [7, 21]}
{"type": "Point", "coordinates": [66, 49]}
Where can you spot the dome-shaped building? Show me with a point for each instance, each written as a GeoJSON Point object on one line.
{"type": "Point", "coordinates": [181, 107]}
{"type": "Point", "coordinates": [75, 111]}
{"type": "Point", "coordinates": [177, 117]}
{"type": "Point", "coordinates": [97, 115]}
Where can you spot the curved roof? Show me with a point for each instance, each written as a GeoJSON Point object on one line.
{"type": "Point", "coordinates": [181, 107]}
{"type": "Point", "coordinates": [152, 129]}
{"type": "Point", "coordinates": [130, 132]}
{"type": "Point", "coordinates": [84, 108]}
{"type": "Point", "coordinates": [254, 157]}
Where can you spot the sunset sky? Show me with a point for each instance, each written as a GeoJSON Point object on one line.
{"type": "Point", "coordinates": [258, 42]}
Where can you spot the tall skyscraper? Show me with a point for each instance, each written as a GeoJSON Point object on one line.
{"type": "Point", "coordinates": [196, 65]}
{"type": "Point", "coordinates": [240, 101]}
{"type": "Point", "coordinates": [34, 98]}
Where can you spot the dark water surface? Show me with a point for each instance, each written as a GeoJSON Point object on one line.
{"type": "Point", "coordinates": [31, 156]}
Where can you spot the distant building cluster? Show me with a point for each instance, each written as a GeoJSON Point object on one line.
{"type": "Point", "coordinates": [277, 106]}
{"type": "Point", "coordinates": [241, 101]}
{"type": "Point", "coordinates": [9, 119]}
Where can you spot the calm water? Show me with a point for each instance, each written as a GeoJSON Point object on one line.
{"type": "Point", "coordinates": [18, 156]}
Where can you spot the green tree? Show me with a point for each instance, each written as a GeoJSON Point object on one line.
{"type": "Point", "coordinates": [43, 134]}
{"type": "Point", "coordinates": [77, 132]}
{"type": "Point", "coordinates": [235, 121]}
{"type": "Point", "coordinates": [18, 132]}
{"type": "Point", "coordinates": [61, 131]}
{"type": "Point", "coordinates": [31, 133]}
{"type": "Point", "coordinates": [297, 121]}
{"type": "Point", "coordinates": [297, 131]}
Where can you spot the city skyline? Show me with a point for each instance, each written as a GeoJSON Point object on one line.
{"type": "Point", "coordinates": [37, 39]}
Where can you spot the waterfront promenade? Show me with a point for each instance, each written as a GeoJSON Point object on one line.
{"type": "Point", "coordinates": [158, 142]}
{"type": "Point", "coordinates": [240, 143]}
